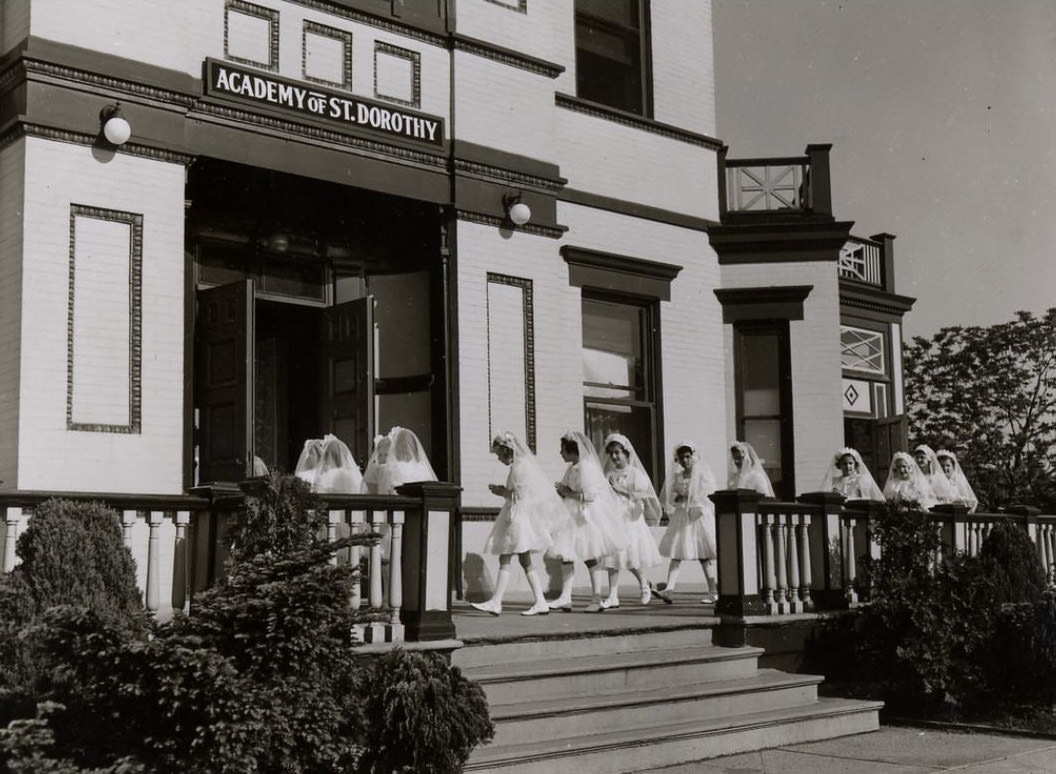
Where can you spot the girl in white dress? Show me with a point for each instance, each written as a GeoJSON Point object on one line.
{"type": "Point", "coordinates": [641, 509]}
{"type": "Point", "coordinates": [690, 530]}
{"type": "Point", "coordinates": [962, 490]}
{"type": "Point", "coordinates": [595, 527]}
{"type": "Point", "coordinates": [398, 458]}
{"type": "Point", "coordinates": [848, 476]}
{"type": "Point", "coordinates": [336, 471]}
{"type": "Point", "coordinates": [907, 484]}
{"type": "Point", "coordinates": [746, 470]}
{"type": "Point", "coordinates": [529, 509]}
{"type": "Point", "coordinates": [929, 466]}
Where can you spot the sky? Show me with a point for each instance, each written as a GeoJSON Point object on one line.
{"type": "Point", "coordinates": [942, 118]}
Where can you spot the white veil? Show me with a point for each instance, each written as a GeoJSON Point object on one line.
{"type": "Point", "coordinates": [940, 485]}
{"type": "Point", "coordinates": [701, 481]}
{"type": "Point", "coordinates": [913, 488]}
{"type": "Point", "coordinates": [308, 462]}
{"type": "Point", "coordinates": [528, 485]}
{"type": "Point", "coordinates": [650, 502]}
{"type": "Point", "coordinates": [962, 490]}
{"type": "Point", "coordinates": [750, 475]}
{"type": "Point", "coordinates": [860, 485]}
{"type": "Point", "coordinates": [397, 458]}
{"type": "Point", "coordinates": [337, 471]}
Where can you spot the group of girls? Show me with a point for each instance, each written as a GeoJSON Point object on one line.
{"type": "Point", "coordinates": [328, 467]}
{"type": "Point", "coordinates": [599, 514]}
{"type": "Point", "coordinates": [925, 477]}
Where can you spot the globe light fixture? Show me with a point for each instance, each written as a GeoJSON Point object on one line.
{"type": "Point", "coordinates": [116, 128]}
{"type": "Point", "coordinates": [517, 212]}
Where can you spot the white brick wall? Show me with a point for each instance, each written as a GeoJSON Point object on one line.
{"type": "Point", "coordinates": [683, 65]}
{"type": "Point", "coordinates": [49, 456]}
{"type": "Point", "coordinates": [544, 31]}
{"type": "Point", "coordinates": [816, 370]}
{"type": "Point", "coordinates": [12, 192]}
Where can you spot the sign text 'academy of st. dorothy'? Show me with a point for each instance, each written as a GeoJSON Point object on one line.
{"type": "Point", "coordinates": [223, 79]}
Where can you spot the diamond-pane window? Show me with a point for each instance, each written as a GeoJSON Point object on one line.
{"type": "Point", "coordinates": [862, 350]}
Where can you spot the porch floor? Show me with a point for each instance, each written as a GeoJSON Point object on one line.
{"type": "Point", "coordinates": [473, 626]}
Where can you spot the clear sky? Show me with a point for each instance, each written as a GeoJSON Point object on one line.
{"type": "Point", "coordinates": [942, 118]}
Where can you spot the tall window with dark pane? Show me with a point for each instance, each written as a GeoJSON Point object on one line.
{"type": "Point", "coordinates": [612, 54]}
{"type": "Point", "coordinates": [764, 398]}
{"type": "Point", "coordinates": [619, 371]}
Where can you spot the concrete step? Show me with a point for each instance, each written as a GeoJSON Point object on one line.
{"type": "Point", "coordinates": [502, 650]}
{"type": "Point", "coordinates": [652, 744]}
{"type": "Point", "coordinates": [585, 675]}
{"type": "Point", "coordinates": [625, 709]}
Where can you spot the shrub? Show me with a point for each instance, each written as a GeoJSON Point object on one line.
{"type": "Point", "coordinates": [423, 716]}
{"type": "Point", "coordinates": [1011, 559]}
{"type": "Point", "coordinates": [1020, 659]}
{"type": "Point", "coordinates": [280, 515]}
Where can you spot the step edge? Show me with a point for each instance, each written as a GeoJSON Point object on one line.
{"type": "Point", "coordinates": [600, 743]}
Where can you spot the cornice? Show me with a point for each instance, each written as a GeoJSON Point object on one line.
{"type": "Point", "coordinates": [578, 105]}
{"type": "Point", "coordinates": [551, 232]}
{"type": "Point", "coordinates": [77, 75]}
{"type": "Point", "coordinates": [80, 138]}
{"type": "Point", "coordinates": [506, 56]}
{"type": "Point", "coordinates": [508, 176]}
{"type": "Point", "coordinates": [585, 256]}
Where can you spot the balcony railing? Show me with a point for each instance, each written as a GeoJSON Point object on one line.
{"type": "Point", "coordinates": [792, 186]}
{"type": "Point", "coordinates": [779, 558]}
{"type": "Point", "coordinates": [861, 260]}
{"type": "Point", "coordinates": [180, 548]}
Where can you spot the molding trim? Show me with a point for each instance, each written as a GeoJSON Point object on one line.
{"type": "Point", "coordinates": [135, 311]}
{"type": "Point", "coordinates": [529, 352]}
{"type": "Point", "coordinates": [551, 232]}
{"type": "Point", "coordinates": [468, 513]}
{"type": "Point", "coordinates": [415, 58]}
{"type": "Point", "coordinates": [79, 138]}
{"type": "Point", "coordinates": [81, 77]}
{"type": "Point", "coordinates": [271, 16]}
{"type": "Point", "coordinates": [506, 56]}
{"type": "Point", "coordinates": [633, 209]}
{"type": "Point", "coordinates": [506, 176]}
{"type": "Point", "coordinates": [775, 302]}
{"type": "Point", "coordinates": [634, 121]}
{"type": "Point", "coordinates": [595, 269]}
{"type": "Point", "coordinates": [342, 36]}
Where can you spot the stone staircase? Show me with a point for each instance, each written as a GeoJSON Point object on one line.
{"type": "Point", "coordinates": [609, 703]}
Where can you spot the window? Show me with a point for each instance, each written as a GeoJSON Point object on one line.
{"type": "Point", "coordinates": [612, 54]}
{"type": "Point", "coordinates": [619, 373]}
{"type": "Point", "coordinates": [764, 397]}
{"type": "Point", "coordinates": [862, 350]}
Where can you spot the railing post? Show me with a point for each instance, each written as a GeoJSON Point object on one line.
{"type": "Point", "coordinates": [820, 183]}
{"type": "Point", "coordinates": [427, 558]}
{"type": "Point", "coordinates": [735, 517]}
{"type": "Point", "coordinates": [153, 595]}
{"type": "Point", "coordinates": [861, 515]}
{"type": "Point", "coordinates": [11, 519]}
{"type": "Point", "coordinates": [804, 561]}
{"type": "Point", "coordinates": [824, 547]}
{"type": "Point", "coordinates": [396, 628]}
{"type": "Point", "coordinates": [375, 631]}
{"type": "Point", "coordinates": [954, 531]}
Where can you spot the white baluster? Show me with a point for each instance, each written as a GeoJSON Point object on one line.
{"type": "Point", "coordinates": [850, 572]}
{"type": "Point", "coordinates": [11, 520]}
{"type": "Point", "coordinates": [769, 571]}
{"type": "Point", "coordinates": [180, 571]}
{"type": "Point", "coordinates": [153, 561]}
{"type": "Point", "coordinates": [356, 520]}
{"type": "Point", "coordinates": [376, 630]}
{"type": "Point", "coordinates": [396, 576]}
{"type": "Point", "coordinates": [792, 560]}
{"type": "Point", "coordinates": [332, 519]}
{"type": "Point", "coordinates": [780, 562]}
{"type": "Point", "coordinates": [806, 576]}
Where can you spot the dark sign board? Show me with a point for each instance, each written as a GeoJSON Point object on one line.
{"type": "Point", "coordinates": [222, 79]}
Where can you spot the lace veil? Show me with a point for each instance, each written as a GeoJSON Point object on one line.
{"type": "Point", "coordinates": [940, 485]}
{"type": "Point", "coordinates": [650, 502]}
{"type": "Point", "coordinates": [860, 485]}
{"type": "Point", "coordinates": [751, 474]}
{"type": "Point", "coordinates": [397, 458]}
{"type": "Point", "coordinates": [701, 481]}
{"type": "Point", "coordinates": [337, 471]}
{"type": "Point", "coordinates": [913, 488]}
{"type": "Point", "coordinates": [962, 490]}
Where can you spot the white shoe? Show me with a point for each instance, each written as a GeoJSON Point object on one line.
{"type": "Point", "coordinates": [594, 607]}
{"type": "Point", "coordinates": [495, 608]}
{"type": "Point", "coordinates": [610, 603]}
{"type": "Point", "coordinates": [710, 598]}
{"type": "Point", "coordinates": [539, 608]}
{"type": "Point", "coordinates": [647, 595]}
{"type": "Point", "coordinates": [560, 604]}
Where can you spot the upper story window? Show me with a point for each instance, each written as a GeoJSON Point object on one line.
{"type": "Point", "coordinates": [862, 350]}
{"type": "Point", "coordinates": [612, 54]}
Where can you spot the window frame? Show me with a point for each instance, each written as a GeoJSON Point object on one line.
{"type": "Point", "coordinates": [642, 35]}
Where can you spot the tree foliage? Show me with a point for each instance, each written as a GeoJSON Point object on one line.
{"type": "Point", "coordinates": [988, 393]}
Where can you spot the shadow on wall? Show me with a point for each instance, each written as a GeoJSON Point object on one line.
{"type": "Point", "coordinates": [477, 582]}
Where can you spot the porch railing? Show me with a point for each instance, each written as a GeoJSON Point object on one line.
{"type": "Point", "coordinates": [797, 185]}
{"type": "Point", "coordinates": [861, 260]}
{"type": "Point", "coordinates": [179, 546]}
{"type": "Point", "coordinates": [780, 558]}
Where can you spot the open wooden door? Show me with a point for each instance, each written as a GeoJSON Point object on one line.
{"type": "Point", "coordinates": [225, 382]}
{"type": "Point", "coordinates": [348, 378]}
{"type": "Point", "coordinates": [877, 440]}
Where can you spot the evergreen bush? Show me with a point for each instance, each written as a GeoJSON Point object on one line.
{"type": "Point", "coordinates": [423, 716]}
{"type": "Point", "coordinates": [1012, 561]}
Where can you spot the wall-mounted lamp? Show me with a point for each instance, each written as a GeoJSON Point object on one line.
{"type": "Point", "coordinates": [517, 212]}
{"type": "Point", "coordinates": [116, 129]}
{"type": "Point", "coordinates": [279, 242]}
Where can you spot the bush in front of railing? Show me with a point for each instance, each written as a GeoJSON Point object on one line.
{"type": "Point", "coordinates": [263, 677]}
{"type": "Point", "coordinates": [423, 716]}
